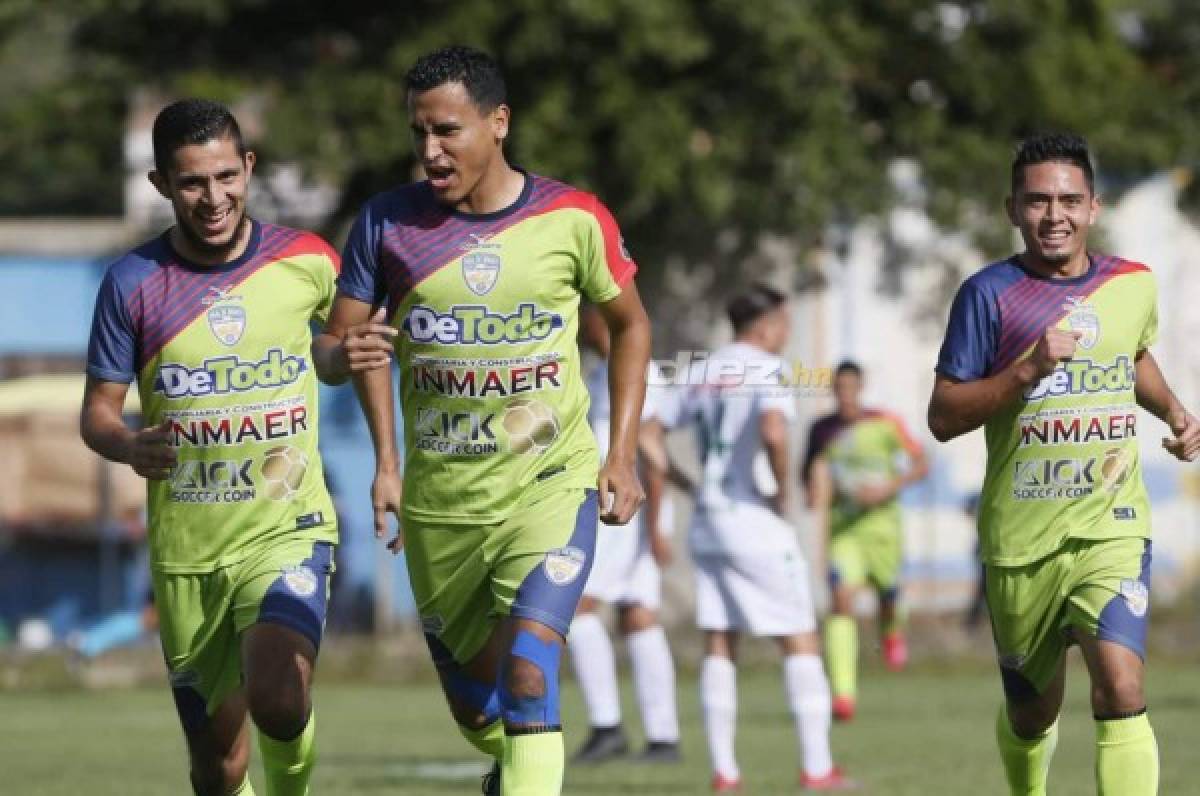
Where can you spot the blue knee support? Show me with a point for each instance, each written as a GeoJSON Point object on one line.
{"type": "Point", "coordinates": [540, 710]}
{"type": "Point", "coordinates": [480, 696]}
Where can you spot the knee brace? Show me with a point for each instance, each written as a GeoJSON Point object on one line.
{"type": "Point", "coordinates": [479, 696]}
{"type": "Point", "coordinates": [537, 710]}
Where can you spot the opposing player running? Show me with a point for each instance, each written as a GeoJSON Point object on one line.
{"type": "Point", "coordinates": [481, 267]}
{"type": "Point", "coordinates": [857, 461]}
{"type": "Point", "coordinates": [1048, 350]}
{"type": "Point", "coordinates": [211, 319]}
{"type": "Point", "coordinates": [626, 574]}
{"type": "Point", "coordinates": [750, 574]}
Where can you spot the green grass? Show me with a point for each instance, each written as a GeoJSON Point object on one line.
{"type": "Point", "coordinates": [927, 731]}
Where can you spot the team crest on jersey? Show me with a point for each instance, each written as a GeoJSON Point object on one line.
{"type": "Point", "coordinates": [480, 271]}
{"type": "Point", "coordinates": [564, 564]}
{"type": "Point", "coordinates": [1082, 318]}
{"type": "Point", "coordinates": [227, 322]}
{"type": "Point", "coordinates": [1137, 596]}
{"type": "Point", "coordinates": [301, 581]}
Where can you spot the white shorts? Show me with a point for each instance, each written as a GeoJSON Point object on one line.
{"type": "Point", "coordinates": [624, 571]}
{"type": "Point", "coordinates": [763, 588]}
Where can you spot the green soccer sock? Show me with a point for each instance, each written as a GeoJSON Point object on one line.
{"type": "Point", "coordinates": [533, 764]}
{"type": "Point", "coordinates": [841, 655]}
{"type": "Point", "coordinates": [489, 739]}
{"type": "Point", "coordinates": [289, 764]}
{"type": "Point", "coordinates": [1126, 757]}
{"type": "Point", "coordinates": [1026, 762]}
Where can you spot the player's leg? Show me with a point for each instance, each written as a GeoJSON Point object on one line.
{"type": "Point", "coordinates": [541, 557]}
{"type": "Point", "coordinates": [218, 743]}
{"type": "Point", "coordinates": [1026, 609]}
{"type": "Point", "coordinates": [847, 573]}
{"type": "Point", "coordinates": [1109, 612]}
{"type": "Point", "coordinates": [650, 655]}
{"type": "Point", "coordinates": [280, 607]}
{"type": "Point", "coordinates": [596, 670]}
{"type": "Point", "coordinates": [885, 558]}
{"type": "Point", "coordinates": [718, 702]}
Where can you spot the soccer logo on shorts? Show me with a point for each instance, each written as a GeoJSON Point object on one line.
{"type": "Point", "coordinates": [563, 565]}
{"type": "Point", "coordinates": [531, 426]}
{"type": "Point", "coordinates": [1137, 596]}
{"type": "Point", "coordinates": [283, 470]}
{"type": "Point", "coordinates": [300, 580]}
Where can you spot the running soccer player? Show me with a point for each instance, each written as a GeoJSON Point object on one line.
{"type": "Point", "coordinates": [481, 267]}
{"type": "Point", "coordinates": [750, 574]}
{"type": "Point", "coordinates": [1049, 352]}
{"type": "Point", "coordinates": [211, 319]}
{"type": "Point", "coordinates": [857, 461]}
{"type": "Point", "coordinates": [626, 574]}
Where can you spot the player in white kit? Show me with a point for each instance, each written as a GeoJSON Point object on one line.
{"type": "Point", "coordinates": [625, 573]}
{"type": "Point", "coordinates": [750, 573]}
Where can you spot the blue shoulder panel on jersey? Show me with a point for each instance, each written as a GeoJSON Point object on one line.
{"type": "Point", "coordinates": [973, 331]}
{"type": "Point", "coordinates": [113, 343]}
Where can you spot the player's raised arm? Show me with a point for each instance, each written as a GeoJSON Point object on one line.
{"type": "Point", "coordinates": [620, 491]}
{"type": "Point", "coordinates": [1156, 397]}
{"type": "Point", "coordinates": [957, 407]}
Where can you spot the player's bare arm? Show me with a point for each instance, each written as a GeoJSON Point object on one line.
{"type": "Point", "coordinates": [361, 342]}
{"type": "Point", "coordinates": [652, 447]}
{"type": "Point", "coordinates": [958, 407]}
{"type": "Point", "coordinates": [1156, 397]}
{"type": "Point", "coordinates": [373, 386]}
{"type": "Point", "coordinates": [773, 428]}
{"type": "Point", "coordinates": [620, 490]}
{"type": "Point", "coordinates": [148, 451]}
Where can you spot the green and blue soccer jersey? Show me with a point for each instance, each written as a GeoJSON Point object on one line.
{"type": "Point", "coordinates": [1063, 460]}
{"type": "Point", "coordinates": [223, 353]}
{"type": "Point", "coordinates": [495, 407]}
{"type": "Point", "coordinates": [869, 450]}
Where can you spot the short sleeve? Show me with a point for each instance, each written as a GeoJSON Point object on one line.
{"type": "Point", "coordinates": [1150, 327]}
{"type": "Point", "coordinates": [969, 347]}
{"type": "Point", "coordinates": [605, 266]}
{"type": "Point", "coordinates": [327, 277]}
{"type": "Point", "coordinates": [112, 347]}
{"type": "Point", "coordinates": [777, 395]}
{"type": "Point", "coordinates": [905, 441]}
{"type": "Point", "coordinates": [360, 278]}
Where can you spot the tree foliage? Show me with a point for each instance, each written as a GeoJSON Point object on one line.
{"type": "Point", "coordinates": [703, 124]}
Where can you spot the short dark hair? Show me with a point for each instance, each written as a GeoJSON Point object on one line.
{"type": "Point", "coordinates": [477, 71]}
{"type": "Point", "coordinates": [848, 366]}
{"type": "Point", "coordinates": [192, 121]}
{"type": "Point", "coordinates": [1053, 148]}
{"type": "Point", "coordinates": [745, 308]}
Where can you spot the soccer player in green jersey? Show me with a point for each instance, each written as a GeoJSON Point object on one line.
{"type": "Point", "coordinates": [211, 320]}
{"type": "Point", "coordinates": [857, 461]}
{"type": "Point", "coordinates": [1048, 350]}
{"type": "Point", "coordinates": [481, 268]}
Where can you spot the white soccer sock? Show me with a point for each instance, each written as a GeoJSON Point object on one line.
{"type": "Point", "coordinates": [596, 670]}
{"type": "Point", "coordinates": [654, 680]}
{"type": "Point", "coordinates": [808, 695]}
{"type": "Point", "coordinates": [718, 698]}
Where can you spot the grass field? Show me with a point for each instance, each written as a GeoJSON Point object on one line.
{"type": "Point", "coordinates": [927, 731]}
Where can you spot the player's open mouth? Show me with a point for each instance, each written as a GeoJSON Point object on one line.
{"type": "Point", "coordinates": [439, 178]}
{"type": "Point", "coordinates": [1054, 240]}
{"type": "Point", "coordinates": [215, 222]}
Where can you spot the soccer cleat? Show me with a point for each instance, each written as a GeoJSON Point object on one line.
{"type": "Point", "coordinates": [659, 752]}
{"type": "Point", "coordinates": [895, 651]}
{"type": "Point", "coordinates": [491, 781]}
{"type": "Point", "coordinates": [721, 784]}
{"type": "Point", "coordinates": [834, 780]}
{"type": "Point", "coordinates": [843, 708]}
{"type": "Point", "coordinates": [605, 743]}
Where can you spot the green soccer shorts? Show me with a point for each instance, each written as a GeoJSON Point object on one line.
{"type": "Point", "coordinates": [533, 565]}
{"type": "Point", "coordinates": [1098, 587]}
{"type": "Point", "coordinates": [862, 556]}
{"type": "Point", "coordinates": [202, 616]}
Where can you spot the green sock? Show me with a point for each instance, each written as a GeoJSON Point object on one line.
{"type": "Point", "coordinates": [841, 655]}
{"type": "Point", "coordinates": [289, 764]}
{"type": "Point", "coordinates": [245, 789]}
{"type": "Point", "coordinates": [1026, 762]}
{"type": "Point", "coordinates": [1126, 757]}
{"type": "Point", "coordinates": [489, 739]}
{"type": "Point", "coordinates": [533, 764]}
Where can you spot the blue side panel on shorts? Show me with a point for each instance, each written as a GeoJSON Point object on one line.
{"type": "Point", "coordinates": [546, 595]}
{"type": "Point", "coordinates": [191, 707]}
{"type": "Point", "coordinates": [298, 597]}
{"type": "Point", "coordinates": [1125, 618]}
